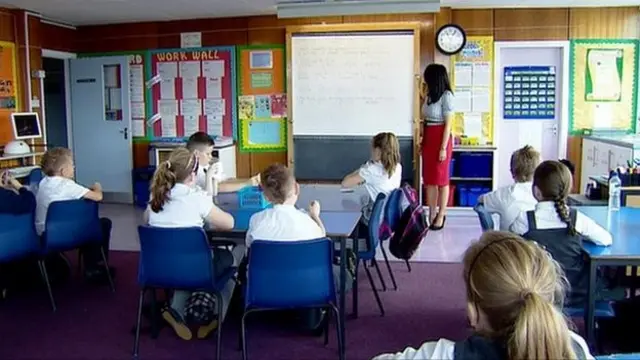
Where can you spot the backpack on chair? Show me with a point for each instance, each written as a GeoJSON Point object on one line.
{"type": "Point", "coordinates": [411, 228]}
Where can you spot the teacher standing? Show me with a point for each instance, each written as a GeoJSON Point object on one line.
{"type": "Point", "coordinates": [437, 144]}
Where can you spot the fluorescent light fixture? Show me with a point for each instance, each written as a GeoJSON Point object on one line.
{"type": "Point", "coordinates": [312, 8]}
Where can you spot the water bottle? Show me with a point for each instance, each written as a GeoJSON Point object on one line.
{"type": "Point", "coordinates": [614, 191]}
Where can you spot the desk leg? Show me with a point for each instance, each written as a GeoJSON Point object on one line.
{"type": "Point", "coordinates": [356, 251]}
{"type": "Point", "coordinates": [343, 290]}
{"type": "Point", "coordinates": [590, 306]}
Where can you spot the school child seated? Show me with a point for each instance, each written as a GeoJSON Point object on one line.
{"type": "Point", "coordinates": [380, 174]}
{"type": "Point", "coordinates": [569, 165]}
{"type": "Point", "coordinates": [58, 185]}
{"type": "Point", "coordinates": [513, 292]}
{"type": "Point", "coordinates": [176, 203]}
{"type": "Point", "coordinates": [509, 201]}
{"type": "Point", "coordinates": [560, 229]}
{"type": "Point", "coordinates": [15, 198]}
{"type": "Point", "coordinates": [284, 221]}
{"type": "Point", "coordinates": [210, 175]}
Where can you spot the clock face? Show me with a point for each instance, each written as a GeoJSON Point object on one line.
{"type": "Point", "coordinates": [450, 39]}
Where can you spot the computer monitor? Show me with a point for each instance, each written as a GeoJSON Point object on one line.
{"type": "Point", "coordinates": [26, 126]}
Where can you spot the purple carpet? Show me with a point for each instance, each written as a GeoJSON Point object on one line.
{"type": "Point", "coordinates": [93, 323]}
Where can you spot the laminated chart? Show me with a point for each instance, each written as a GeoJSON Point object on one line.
{"type": "Point", "coordinates": [191, 90]}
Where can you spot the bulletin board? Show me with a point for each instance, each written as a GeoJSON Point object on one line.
{"type": "Point", "coordinates": [529, 92]}
{"type": "Point", "coordinates": [137, 66]}
{"type": "Point", "coordinates": [472, 74]}
{"type": "Point", "coordinates": [262, 100]}
{"type": "Point", "coordinates": [190, 90]}
{"type": "Point", "coordinates": [9, 92]}
{"type": "Point", "coordinates": [604, 87]}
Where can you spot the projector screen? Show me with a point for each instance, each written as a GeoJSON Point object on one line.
{"type": "Point", "coordinates": [352, 83]}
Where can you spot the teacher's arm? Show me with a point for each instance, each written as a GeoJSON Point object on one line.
{"type": "Point", "coordinates": [447, 114]}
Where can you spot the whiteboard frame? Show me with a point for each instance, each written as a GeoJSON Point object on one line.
{"type": "Point", "coordinates": [363, 27]}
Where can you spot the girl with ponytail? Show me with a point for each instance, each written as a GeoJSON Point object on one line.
{"type": "Point", "coordinates": [177, 203]}
{"type": "Point", "coordinates": [515, 292]}
{"type": "Point", "coordinates": [382, 173]}
{"type": "Point", "coordinates": [560, 230]}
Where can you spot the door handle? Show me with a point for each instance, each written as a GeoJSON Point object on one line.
{"type": "Point", "coordinates": [125, 132]}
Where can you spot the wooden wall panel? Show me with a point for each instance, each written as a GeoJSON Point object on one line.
{"type": "Point", "coordinates": [58, 38]}
{"type": "Point", "coordinates": [531, 24]}
{"type": "Point", "coordinates": [603, 23]}
{"type": "Point", "coordinates": [7, 26]}
{"type": "Point", "coordinates": [474, 22]}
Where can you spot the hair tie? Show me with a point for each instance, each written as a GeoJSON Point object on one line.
{"type": "Point", "coordinates": [526, 295]}
{"type": "Point", "coordinates": [168, 163]}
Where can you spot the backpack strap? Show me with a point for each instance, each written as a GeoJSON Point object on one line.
{"type": "Point", "coordinates": [531, 219]}
{"type": "Point", "coordinates": [573, 215]}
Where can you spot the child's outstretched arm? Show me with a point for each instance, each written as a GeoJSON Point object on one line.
{"type": "Point", "coordinates": [233, 185]}
{"type": "Point", "coordinates": [94, 193]}
{"type": "Point", "coordinates": [353, 179]}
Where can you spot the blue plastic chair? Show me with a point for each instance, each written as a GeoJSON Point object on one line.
{"type": "Point", "coordinates": [290, 275]}
{"type": "Point", "coordinates": [179, 259]}
{"type": "Point", "coordinates": [486, 220]}
{"type": "Point", "coordinates": [373, 240]}
{"type": "Point", "coordinates": [634, 356]}
{"type": "Point", "coordinates": [70, 225]}
{"type": "Point", "coordinates": [19, 240]}
{"type": "Point", "coordinates": [33, 180]}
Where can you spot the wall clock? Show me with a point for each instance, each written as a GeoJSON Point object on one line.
{"type": "Point", "coordinates": [450, 39]}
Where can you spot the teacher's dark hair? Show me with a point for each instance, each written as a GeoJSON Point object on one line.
{"type": "Point", "coordinates": [437, 80]}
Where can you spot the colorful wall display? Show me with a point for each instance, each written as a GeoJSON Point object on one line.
{"type": "Point", "coordinates": [190, 90]}
{"type": "Point", "coordinates": [529, 92]}
{"type": "Point", "coordinates": [472, 74]}
{"type": "Point", "coordinates": [603, 94]}
{"type": "Point", "coordinates": [9, 99]}
{"type": "Point", "coordinates": [262, 101]}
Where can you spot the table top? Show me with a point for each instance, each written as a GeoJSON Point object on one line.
{"type": "Point", "coordinates": [623, 226]}
{"type": "Point", "coordinates": [329, 196]}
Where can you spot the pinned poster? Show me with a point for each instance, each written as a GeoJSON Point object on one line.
{"type": "Point", "coordinates": [278, 105]}
{"type": "Point", "coordinates": [263, 107]}
{"type": "Point", "coordinates": [246, 107]}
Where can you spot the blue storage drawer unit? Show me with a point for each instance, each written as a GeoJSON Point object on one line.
{"type": "Point", "coordinates": [475, 164]}
{"type": "Point", "coordinates": [468, 194]}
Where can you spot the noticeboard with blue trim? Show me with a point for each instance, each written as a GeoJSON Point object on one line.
{"type": "Point", "coordinates": [529, 92]}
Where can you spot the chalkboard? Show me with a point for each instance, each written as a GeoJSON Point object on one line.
{"type": "Point", "coordinates": [331, 158]}
{"type": "Point", "coordinates": [352, 83]}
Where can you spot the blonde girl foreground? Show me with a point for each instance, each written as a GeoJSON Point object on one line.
{"type": "Point", "coordinates": [514, 296]}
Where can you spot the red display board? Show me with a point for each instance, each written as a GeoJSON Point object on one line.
{"type": "Point", "coordinates": [191, 90]}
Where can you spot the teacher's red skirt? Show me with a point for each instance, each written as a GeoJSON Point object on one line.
{"type": "Point", "coordinates": [435, 172]}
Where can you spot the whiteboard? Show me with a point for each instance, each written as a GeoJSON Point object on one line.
{"type": "Point", "coordinates": [352, 84]}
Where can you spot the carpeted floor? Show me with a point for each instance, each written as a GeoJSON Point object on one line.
{"type": "Point", "coordinates": [93, 323]}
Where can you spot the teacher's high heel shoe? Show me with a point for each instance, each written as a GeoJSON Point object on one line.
{"type": "Point", "coordinates": [437, 228]}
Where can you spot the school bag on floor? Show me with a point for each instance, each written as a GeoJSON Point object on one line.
{"type": "Point", "coordinates": [412, 226]}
